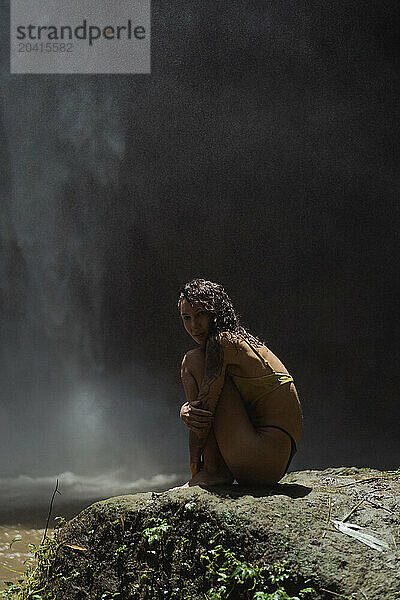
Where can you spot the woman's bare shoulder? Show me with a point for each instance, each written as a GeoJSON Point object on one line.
{"type": "Point", "coordinates": [192, 355]}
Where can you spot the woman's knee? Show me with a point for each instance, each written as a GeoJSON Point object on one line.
{"type": "Point", "coordinates": [194, 363]}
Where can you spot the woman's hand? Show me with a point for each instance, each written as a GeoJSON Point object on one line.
{"type": "Point", "coordinates": [196, 419]}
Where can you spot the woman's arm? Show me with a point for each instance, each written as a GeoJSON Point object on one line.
{"type": "Point", "coordinates": [191, 413]}
{"type": "Point", "coordinates": [210, 391]}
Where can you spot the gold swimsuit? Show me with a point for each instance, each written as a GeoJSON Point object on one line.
{"type": "Point", "coordinates": [252, 389]}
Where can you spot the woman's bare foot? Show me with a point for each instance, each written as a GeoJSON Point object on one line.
{"type": "Point", "coordinates": [179, 487]}
{"type": "Point", "coordinates": [206, 478]}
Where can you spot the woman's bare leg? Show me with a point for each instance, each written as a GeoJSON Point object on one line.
{"type": "Point", "coordinates": [213, 468]}
{"type": "Point", "coordinates": [252, 456]}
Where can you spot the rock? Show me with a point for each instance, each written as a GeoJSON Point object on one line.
{"type": "Point", "coordinates": [288, 522]}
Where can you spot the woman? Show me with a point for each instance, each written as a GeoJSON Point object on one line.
{"type": "Point", "coordinates": [242, 407]}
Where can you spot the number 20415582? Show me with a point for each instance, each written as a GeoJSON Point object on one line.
{"type": "Point", "coordinates": [46, 47]}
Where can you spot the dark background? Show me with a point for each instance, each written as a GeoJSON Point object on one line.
{"type": "Point", "coordinates": [260, 153]}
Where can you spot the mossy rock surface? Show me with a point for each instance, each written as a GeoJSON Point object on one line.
{"type": "Point", "coordinates": [286, 523]}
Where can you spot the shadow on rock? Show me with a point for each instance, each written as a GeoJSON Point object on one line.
{"type": "Point", "coordinates": [292, 490]}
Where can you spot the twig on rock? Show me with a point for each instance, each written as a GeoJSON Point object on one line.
{"type": "Point", "coordinates": [366, 479]}
{"type": "Point", "coordinates": [379, 505]}
{"type": "Point", "coordinates": [352, 510]}
{"type": "Point", "coordinates": [333, 593]}
{"type": "Point", "coordinates": [328, 517]}
{"type": "Point", "coordinates": [50, 511]}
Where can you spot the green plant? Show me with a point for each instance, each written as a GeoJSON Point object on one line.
{"type": "Point", "coordinates": [231, 575]}
{"type": "Point", "coordinates": [119, 551]}
{"type": "Point", "coordinates": [157, 532]}
{"type": "Point", "coordinates": [225, 575]}
{"type": "Point", "coordinates": [32, 585]}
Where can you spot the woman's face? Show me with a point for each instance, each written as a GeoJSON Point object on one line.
{"type": "Point", "coordinates": [196, 321]}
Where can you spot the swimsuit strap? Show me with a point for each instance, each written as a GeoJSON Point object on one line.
{"type": "Point", "coordinates": [264, 362]}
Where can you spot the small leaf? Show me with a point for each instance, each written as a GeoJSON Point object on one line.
{"type": "Point", "coordinates": [17, 538]}
{"type": "Point", "coordinates": [354, 531]}
{"type": "Point", "coordinates": [74, 547]}
{"type": "Point", "coordinates": [306, 591]}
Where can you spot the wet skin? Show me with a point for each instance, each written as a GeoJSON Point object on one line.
{"type": "Point", "coordinates": [221, 430]}
{"type": "Point", "coordinates": [196, 321]}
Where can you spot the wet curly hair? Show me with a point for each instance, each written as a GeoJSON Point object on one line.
{"type": "Point", "coordinates": [224, 319]}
